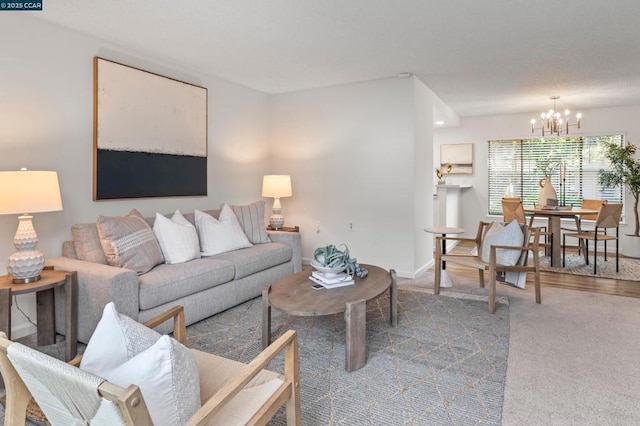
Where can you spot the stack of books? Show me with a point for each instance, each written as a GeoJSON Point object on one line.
{"type": "Point", "coordinates": [332, 281]}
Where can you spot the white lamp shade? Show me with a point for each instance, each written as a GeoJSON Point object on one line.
{"type": "Point", "coordinates": [276, 186]}
{"type": "Point", "coordinates": [27, 191]}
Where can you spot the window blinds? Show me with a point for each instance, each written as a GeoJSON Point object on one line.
{"type": "Point", "coordinates": [516, 167]}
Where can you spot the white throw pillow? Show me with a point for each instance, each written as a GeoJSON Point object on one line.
{"type": "Point", "coordinates": [126, 352]}
{"type": "Point", "coordinates": [500, 235]}
{"type": "Point", "coordinates": [116, 339]}
{"type": "Point", "coordinates": [220, 235]}
{"type": "Point", "coordinates": [167, 376]}
{"type": "Point", "coordinates": [178, 238]}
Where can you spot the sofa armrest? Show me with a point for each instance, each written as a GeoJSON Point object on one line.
{"type": "Point", "coordinates": [292, 239]}
{"type": "Point", "coordinates": [98, 285]}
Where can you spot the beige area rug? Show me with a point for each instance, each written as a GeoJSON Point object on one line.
{"type": "Point", "coordinates": [629, 268]}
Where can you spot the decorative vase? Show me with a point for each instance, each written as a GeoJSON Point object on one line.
{"type": "Point", "coordinates": [547, 192]}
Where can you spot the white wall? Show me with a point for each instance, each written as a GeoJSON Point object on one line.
{"type": "Point", "coordinates": [479, 130]}
{"type": "Point", "coordinates": [352, 151]}
{"type": "Point", "coordinates": [46, 123]}
{"type": "Point", "coordinates": [423, 181]}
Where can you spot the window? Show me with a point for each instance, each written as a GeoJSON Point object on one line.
{"type": "Point", "coordinates": [516, 167]}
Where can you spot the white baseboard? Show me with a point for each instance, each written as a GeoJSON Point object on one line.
{"type": "Point", "coordinates": [22, 330]}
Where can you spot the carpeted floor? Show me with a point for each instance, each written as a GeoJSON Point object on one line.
{"type": "Point", "coordinates": [445, 362]}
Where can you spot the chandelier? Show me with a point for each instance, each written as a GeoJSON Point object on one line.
{"type": "Point", "coordinates": [554, 122]}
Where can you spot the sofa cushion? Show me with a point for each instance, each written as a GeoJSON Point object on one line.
{"type": "Point", "coordinates": [128, 242]}
{"type": "Point", "coordinates": [257, 258]}
{"type": "Point", "coordinates": [167, 283]}
{"type": "Point", "coordinates": [251, 218]}
{"type": "Point", "coordinates": [177, 237]}
{"type": "Point", "coordinates": [86, 243]}
{"type": "Point", "coordinates": [220, 235]}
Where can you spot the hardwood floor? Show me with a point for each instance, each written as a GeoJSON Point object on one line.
{"type": "Point", "coordinates": [567, 281]}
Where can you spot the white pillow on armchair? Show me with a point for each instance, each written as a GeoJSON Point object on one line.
{"type": "Point", "coordinates": [501, 235]}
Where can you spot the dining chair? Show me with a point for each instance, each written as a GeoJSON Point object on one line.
{"type": "Point", "coordinates": [474, 259]}
{"type": "Point", "coordinates": [608, 217]}
{"type": "Point", "coordinates": [586, 219]}
{"type": "Point", "coordinates": [512, 209]}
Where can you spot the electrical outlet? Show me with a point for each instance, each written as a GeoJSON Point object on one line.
{"type": "Point", "coordinates": [317, 224]}
{"type": "Point", "coordinates": [351, 227]}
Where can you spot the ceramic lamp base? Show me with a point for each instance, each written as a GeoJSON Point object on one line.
{"type": "Point", "coordinates": [276, 221]}
{"type": "Point", "coordinates": [25, 266]}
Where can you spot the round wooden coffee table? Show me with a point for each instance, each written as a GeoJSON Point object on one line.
{"type": "Point", "coordinates": [295, 296]}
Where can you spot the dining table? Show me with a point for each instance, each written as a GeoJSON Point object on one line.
{"type": "Point", "coordinates": [554, 215]}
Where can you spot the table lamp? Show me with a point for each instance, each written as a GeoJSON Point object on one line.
{"type": "Point", "coordinates": [24, 192]}
{"type": "Point", "coordinates": [276, 186]}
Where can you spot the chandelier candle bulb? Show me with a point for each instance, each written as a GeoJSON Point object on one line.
{"type": "Point", "coordinates": [553, 121]}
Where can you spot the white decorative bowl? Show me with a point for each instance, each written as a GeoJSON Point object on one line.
{"type": "Point", "coordinates": [326, 270]}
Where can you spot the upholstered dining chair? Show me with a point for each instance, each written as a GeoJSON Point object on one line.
{"type": "Point", "coordinates": [608, 217]}
{"type": "Point", "coordinates": [512, 209]}
{"type": "Point", "coordinates": [474, 259]}
{"type": "Point", "coordinates": [231, 392]}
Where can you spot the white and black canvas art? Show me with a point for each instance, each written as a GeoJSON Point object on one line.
{"type": "Point", "coordinates": [150, 134]}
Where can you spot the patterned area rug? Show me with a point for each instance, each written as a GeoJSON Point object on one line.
{"type": "Point", "coordinates": [629, 268]}
{"type": "Point", "coordinates": [445, 362]}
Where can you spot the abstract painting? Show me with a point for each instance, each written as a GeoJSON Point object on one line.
{"type": "Point", "coordinates": [460, 156]}
{"type": "Point", "coordinates": [150, 134]}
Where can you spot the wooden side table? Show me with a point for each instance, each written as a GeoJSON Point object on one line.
{"type": "Point", "coordinates": [284, 228]}
{"type": "Point", "coordinates": [445, 279]}
{"type": "Point", "coordinates": [44, 289]}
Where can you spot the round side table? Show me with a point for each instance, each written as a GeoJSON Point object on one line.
{"type": "Point", "coordinates": [445, 279]}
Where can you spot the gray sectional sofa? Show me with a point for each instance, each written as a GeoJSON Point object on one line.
{"type": "Point", "coordinates": [204, 286]}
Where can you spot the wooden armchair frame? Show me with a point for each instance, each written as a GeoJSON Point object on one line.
{"type": "Point", "coordinates": [131, 402]}
{"type": "Point", "coordinates": [475, 261]}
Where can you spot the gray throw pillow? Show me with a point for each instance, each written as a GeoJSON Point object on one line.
{"type": "Point", "coordinates": [86, 243]}
{"type": "Point", "coordinates": [129, 242]}
{"type": "Point", "coordinates": [251, 218]}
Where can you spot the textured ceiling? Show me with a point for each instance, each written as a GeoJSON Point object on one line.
{"type": "Point", "coordinates": [480, 56]}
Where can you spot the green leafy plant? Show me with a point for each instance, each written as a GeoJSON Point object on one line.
{"type": "Point", "coordinates": [547, 166]}
{"type": "Point", "coordinates": [625, 170]}
{"type": "Point", "coordinates": [332, 257]}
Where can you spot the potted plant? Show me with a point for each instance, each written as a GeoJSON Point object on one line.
{"type": "Point", "coordinates": [625, 170]}
{"type": "Point", "coordinates": [442, 172]}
